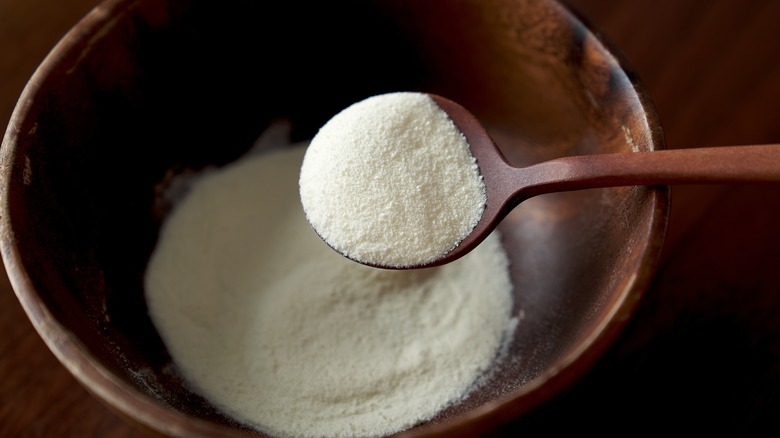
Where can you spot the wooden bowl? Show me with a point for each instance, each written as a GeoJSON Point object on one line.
{"type": "Point", "coordinates": [144, 89]}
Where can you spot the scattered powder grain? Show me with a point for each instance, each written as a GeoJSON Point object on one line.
{"type": "Point", "coordinates": [287, 336]}
{"type": "Point", "coordinates": [390, 181]}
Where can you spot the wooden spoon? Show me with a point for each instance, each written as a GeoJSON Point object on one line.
{"type": "Point", "coordinates": [507, 186]}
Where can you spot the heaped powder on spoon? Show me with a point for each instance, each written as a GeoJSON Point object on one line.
{"type": "Point", "coordinates": [285, 335]}
{"type": "Point", "coordinates": [390, 181]}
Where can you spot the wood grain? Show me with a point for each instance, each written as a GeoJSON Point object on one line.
{"type": "Point", "coordinates": [703, 353]}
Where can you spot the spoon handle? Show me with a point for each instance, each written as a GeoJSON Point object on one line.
{"type": "Point", "coordinates": [726, 164]}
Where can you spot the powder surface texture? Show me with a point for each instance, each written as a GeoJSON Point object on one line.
{"type": "Point", "coordinates": [283, 334]}
{"type": "Point", "coordinates": [390, 181]}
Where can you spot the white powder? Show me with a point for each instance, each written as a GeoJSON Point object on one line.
{"type": "Point", "coordinates": [390, 181]}
{"type": "Point", "coordinates": [289, 337]}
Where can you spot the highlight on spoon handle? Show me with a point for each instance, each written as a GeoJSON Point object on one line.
{"type": "Point", "coordinates": [726, 164]}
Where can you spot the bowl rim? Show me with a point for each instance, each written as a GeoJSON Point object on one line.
{"type": "Point", "coordinates": [143, 410]}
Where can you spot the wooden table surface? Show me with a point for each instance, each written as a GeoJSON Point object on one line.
{"type": "Point", "coordinates": [703, 353]}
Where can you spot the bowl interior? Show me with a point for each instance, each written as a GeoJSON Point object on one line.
{"type": "Point", "coordinates": [145, 90]}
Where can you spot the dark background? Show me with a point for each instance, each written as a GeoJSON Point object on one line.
{"type": "Point", "coordinates": [702, 354]}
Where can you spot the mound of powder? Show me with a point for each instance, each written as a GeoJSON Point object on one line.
{"type": "Point", "coordinates": [286, 336]}
{"type": "Point", "coordinates": [390, 181]}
